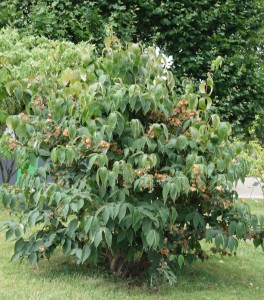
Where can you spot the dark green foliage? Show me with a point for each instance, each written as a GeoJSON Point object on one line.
{"type": "Point", "coordinates": [72, 20]}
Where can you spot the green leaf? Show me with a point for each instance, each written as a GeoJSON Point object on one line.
{"type": "Point", "coordinates": [210, 169]}
{"type": "Point", "coordinates": [112, 120]}
{"type": "Point", "coordinates": [10, 232]}
{"type": "Point", "coordinates": [71, 228]}
{"type": "Point", "coordinates": [172, 143]}
{"type": "Point", "coordinates": [231, 243]}
{"type": "Point", "coordinates": [57, 197]}
{"type": "Point", "coordinates": [122, 212]}
{"type": "Point", "coordinates": [13, 122]}
{"type": "Point", "coordinates": [70, 155]}
{"type": "Point", "coordinates": [92, 160]}
{"type": "Point", "coordinates": [164, 214]}
{"type": "Point", "coordinates": [67, 246]}
{"type": "Point", "coordinates": [116, 169]}
{"type": "Point", "coordinates": [65, 78]}
{"type": "Point", "coordinates": [202, 103]}
{"type": "Point", "coordinates": [21, 130]}
{"type": "Point", "coordinates": [216, 63]}
{"type": "Point", "coordinates": [17, 255]}
{"type": "Point", "coordinates": [65, 211]}
{"type": "Point", "coordinates": [61, 155]}
{"type": "Point", "coordinates": [219, 240]}
{"type": "Point", "coordinates": [165, 191]}
{"type": "Point", "coordinates": [192, 101]}
{"type": "Point", "coordinates": [98, 237]}
{"type": "Point", "coordinates": [209, 235]}
{"type": "Point", "coordinates": [180, 260]}
{"type": "Point", "coordinates": [223, 129]}
{"type": "Point", "coordinates": [257, 242]}
{"type": "Point", "coordinates": [232, 228]}
{"type": "Point", "coordinates": [174, 190]}
{"type": "Point", "coordinates": [91, 223]}
{"type": "Point", "coordinates": [181, 142]}
{"type": "Point", "coordinates": [33, 258]}
{"type": "Point", "coordinates": [136, 216]}
{"type": "Point", "coordinates": [136, 127]}
{"type": "Point", "coordinates": [239, 230]}
{"type": "Point", "coordinates": [83, 131]}
{"type": "Point", "coordinates": [53, 155]}
{"type": "Point", "coordinates": [220, 165]}
{"type": "Point", "coordinates": [112, 180]}
{"type": "Point", "coordinates": [108, 237]}
{"type": "Point", "coordinates": [19, 245]}
{"type": "Point", "coordinates": [157, 128]}
{"type": "Point", "coordinates": [174, 215]}
{"type": "Point", "coordinates": [195, 133]}
{"type": "Point", "coordinates": [152, 238]}
{"type": "Point", "coordinates": [43, 152]}
{"type": "Point", "coordinates": [78, 254]}
{"type": "Point", "coordinates": [104, 175]}
{"type": "Point", "coordinates": [3, 116]}
{"type": "Point", "coordinates": [30, 129]}
{"type": "Point", "coordinates": [215, 121]}
{"type": "Point", "coordinates": [19, 230]}
{"type": "Point", "coordinates": [72, 132]}
{"type": "Point", "coordinates": [106, 215]}
{"type": "Point", "coordinates": [32, 218]}
{"type": "Point", "coordinates": [86, 253]}
{"type": "Point", "coordinates": [18, 91]}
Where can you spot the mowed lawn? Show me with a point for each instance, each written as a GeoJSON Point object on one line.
{"type": "Point", "coordinates": [238, 277]}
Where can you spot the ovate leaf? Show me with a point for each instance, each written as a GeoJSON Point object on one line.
{"type": "Point", "coordinates": [33, 217]}
{"type": "Point", "coordinates": [86, 252]}
{"type": "Point", "coordinates": [180, 260]}
{"type": "Point", "coordinates": [98, 238]}
{"type": "Point", "coordinates": [239, 230]}
{"type": "Point", "coordinates": [108, 237]}
{"type": "Point", "coordinates": [152, 238]}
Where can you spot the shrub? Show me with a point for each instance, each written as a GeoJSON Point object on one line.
{"type": "Point", "coordinates": [139, 177]}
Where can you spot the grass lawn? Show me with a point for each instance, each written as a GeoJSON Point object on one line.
{"type": "Point", "coordinates": [239, 277]}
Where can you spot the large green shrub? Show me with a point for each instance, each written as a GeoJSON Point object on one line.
{"type": "Point", "coordinates": [139, 176]}
{"type": "Point", "coordinates": [193, 31]}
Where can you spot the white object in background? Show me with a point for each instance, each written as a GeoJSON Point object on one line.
{"type": "Point", "coordinates": [9, 131]}
{"type": "Point", "coordinates": [249, 189]}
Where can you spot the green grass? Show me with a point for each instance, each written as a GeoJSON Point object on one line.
{"type": "Point", "coordinates": [239, 277]}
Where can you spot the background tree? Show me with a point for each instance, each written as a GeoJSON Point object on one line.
{"type": "Point", "coordinates": [194, 31]}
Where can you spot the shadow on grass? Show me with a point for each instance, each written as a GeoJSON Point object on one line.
{"type": "Point", "coordinates": [236, 277]}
